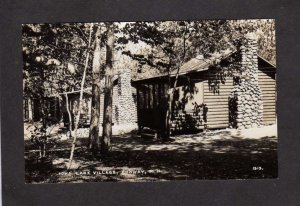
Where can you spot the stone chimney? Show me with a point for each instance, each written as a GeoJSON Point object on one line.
{"type": "Point", "coordinates": [245, 100]}
{"type": "Point", "coordinates": [126, 108]}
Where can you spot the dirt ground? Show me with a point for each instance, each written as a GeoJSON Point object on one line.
{"type": "Point", "coordinates": [224, 154]}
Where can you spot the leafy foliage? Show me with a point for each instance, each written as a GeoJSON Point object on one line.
{"type": "Point", "coordinates": [172, 42]}
{"type": "Point", "coordinates": [53, 57]}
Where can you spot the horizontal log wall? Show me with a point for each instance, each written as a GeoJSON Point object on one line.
{"type": "Point", "coordinates": [216, 98]}
{"type": "Point", "coordinates": [267, 83]}
{"type": "Point", "coordinates": [216, 91]}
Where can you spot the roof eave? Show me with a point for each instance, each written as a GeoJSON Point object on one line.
{"type": "Point", "coordinates": [273, 65]}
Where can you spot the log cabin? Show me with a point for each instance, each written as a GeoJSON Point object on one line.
{"type": "Point", "coordinates": [204, 93]}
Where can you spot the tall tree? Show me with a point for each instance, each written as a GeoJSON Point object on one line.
{"type": "Point", "coordinates": [108, 89]}
{"type": "Point", "coordinates": [94, 139]}
{"type": "Point", "coordinates": [171, 88]}
{"type": "Point", "coordinates": [81, 96]}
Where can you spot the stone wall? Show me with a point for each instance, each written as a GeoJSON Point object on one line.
{"type": "Point", "coordinates": [126, 112]}
{"type": "Point", "coordinates": [245, 100]}
{"type": "Point", "coordinates": [187, 122]}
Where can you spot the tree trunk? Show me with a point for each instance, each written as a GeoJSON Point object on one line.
{"type": "Point", "coordinates": [108, 90]}
{"type": "Point", "coordinates": [166, 127]}
{"type": "Point", "coordinates": [69, 114]}
{"type": "Point", "coordinates": [167, 132]}
{"type": "Point", "coordinates": [80, 98]}
{"type": "Point", "coordinates": [30, 116]}
{"type": "Point", "coordinates": [94, 139]}
{"type": "Point", "coordinates": [43, 105]}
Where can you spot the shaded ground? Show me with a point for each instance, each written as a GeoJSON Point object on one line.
{"type": "Point", "coordinates": [198, 156]}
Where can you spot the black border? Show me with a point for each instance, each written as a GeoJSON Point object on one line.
{"type": "Point", "coordinates": [282, 191]}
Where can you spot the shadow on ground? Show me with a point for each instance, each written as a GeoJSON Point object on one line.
{"type": "Point", "coordinates": [197, 156]}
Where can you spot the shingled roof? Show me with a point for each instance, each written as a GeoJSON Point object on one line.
{"type": "Point", "coordinates": [199, 63]}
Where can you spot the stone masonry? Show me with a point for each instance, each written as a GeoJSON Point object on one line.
{"type": "Point", "coordinates": [246, 105]}
{"type": "Point", "coordinates": [126, 107]}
